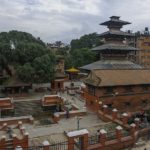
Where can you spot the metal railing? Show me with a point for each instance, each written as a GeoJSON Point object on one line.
{"type": "Point", "coordinates": [59, 146]}
{"type": "Point", "coordinates": [111, 136]}
{"type": "Point", "coordinates": [55, 146]}
{"type": "Point", "coordinates": [94, 139]}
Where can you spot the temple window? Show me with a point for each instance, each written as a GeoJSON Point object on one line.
{"type": "Point", "coordinates": [144, 102]}
{"type": "Point", "coordinates": [128, 89]}
{"type": "Point", "coordinates": [145, 87]}
{"type": "Point", "coordinates": [91, 89]}
{"type": "Point", "coordinates": [109, 105]}
{"type": "Point", "coordinates": [109, 90]}
{"type": "Point", "coordinates": [127, 104]}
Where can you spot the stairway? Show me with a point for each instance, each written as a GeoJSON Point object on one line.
{"type": "Point", "coordinates": [27, 107]}
{"type": "Point", "coordinates": [9, 144]}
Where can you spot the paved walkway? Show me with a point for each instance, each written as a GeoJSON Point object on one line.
{"type": "Point", "coordinates": [142, 144]}
{"type": "Point", "coordinates": [55, 131]}
{"type": "Point", "coordinates": [89, 121]}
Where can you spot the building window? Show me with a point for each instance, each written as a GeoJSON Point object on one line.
{"type": "Point", "coordinates": [109, 90]}
{"type": "Point", "coordinates": [127, 104]}
{"type": "Point", "coordinates": [59, 85]}
{"type": "Point", "coordinates": [145, 87]}
{"type": "Point", "coordinates": [146, 43]}
{"type": "Point", "coordinates": [144, 102]}
{"type": "Point", "coordinates": [128, 89]}
{"type": "Point", "coordinates": [110, 105]}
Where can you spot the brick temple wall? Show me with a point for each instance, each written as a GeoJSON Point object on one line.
{"type": "Point", "coordinates": [137, 98]}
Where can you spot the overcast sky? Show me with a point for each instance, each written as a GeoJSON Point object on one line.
{"type": "Point", "coordinates": [64, 20]}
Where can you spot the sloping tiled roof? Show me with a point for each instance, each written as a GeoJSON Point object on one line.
{"type": "Point", "coordinates": [115, 21]}
{"type": "Point", "coordinates": [112, 46]}
{"type": "Point", "coordinates": [117, 32]}
{"type": "Point", "coordinates": [111, 64]}
{"type": "Point", "coordinates": [15, 82]}
{"type": "Point", "coordinates": [72, 70]}
{"type": "Point", "coordinates": [102, 78]}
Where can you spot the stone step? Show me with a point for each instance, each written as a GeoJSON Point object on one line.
{"type": "Point", "coordinates": [9, 144]}
{"type": "Point", "coordinates": [27, 107]}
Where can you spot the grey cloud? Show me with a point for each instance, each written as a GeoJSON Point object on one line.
{"type": "Point", "coordinates": [67, 19]}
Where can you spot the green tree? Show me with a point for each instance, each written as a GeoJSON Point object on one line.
{"type": "Point", "coordinates": [79, 57]}
{"type": "Point", "coordinates": [29, 56]}
{"type": "Point", "coordinates": [44, 68]}
{"type": "Point", "coordinates": [86, 41]}
{"type": "Point", "coordinates": [26, 72]}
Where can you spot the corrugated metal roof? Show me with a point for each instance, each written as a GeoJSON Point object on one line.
{"type": "Point", "coordinates": [102, 78]}
{"type": "Point", "coordinates": [111, 64]}
{"type": "Point", "coordinates": [112, 46]}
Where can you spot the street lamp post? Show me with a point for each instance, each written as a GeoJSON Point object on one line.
{"type": "Point", "coordinates": [0, 113]}
{"type": "Point", "coordinates": [78, 122]}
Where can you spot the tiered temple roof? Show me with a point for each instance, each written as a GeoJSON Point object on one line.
{"type": "Point", "coordinates": [114, 38]}
{"type": "Point", "coordinates": [115, 21]}
{"type": "Point", "coordinates": [116, 32]}
{"type": "Point", "coordinates": [111, 64]}
{"type": "Point", "coordinates": [115, 53]}
{"type": "Point", "coordinates": [114, 46]}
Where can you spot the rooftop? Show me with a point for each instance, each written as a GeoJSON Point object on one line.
{"type": "Point", "coordinates": [111, 64]}
{"type": "Point", "coordinates": [72, 70]}
{"type": "Point", "coordinates": [113, 46]}
{"type": "Point", "coordinates": [115, 20]}
{"type": "Point", "coordinates": [15, 82]}
{"type": "Point", "coordinates": [116, 32]}
{"type": "Point", "coordinates": [102, 78]}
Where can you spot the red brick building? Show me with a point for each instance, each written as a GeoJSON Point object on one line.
{"type": "Point", "coordinates": [126, 90]}
{"type": "Point", "coordinates": [115, 79]}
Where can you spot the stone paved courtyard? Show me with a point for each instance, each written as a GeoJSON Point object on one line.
{"type": "Point", "coordinates": [89, 121]}
{"type": "Point", "coordinates": [55, 132]}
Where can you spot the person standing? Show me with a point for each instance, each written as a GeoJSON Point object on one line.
{"type": "Point", "coordinates": [98, 135]}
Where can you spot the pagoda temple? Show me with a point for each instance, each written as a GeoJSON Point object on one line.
{"type": "Point", "coordinates": [115, 53]}
{"type": "Point", "coordinates": [116, 80]}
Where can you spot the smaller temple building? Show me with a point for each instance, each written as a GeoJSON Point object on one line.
{"type": "Point", "coordinates": [73, 73]}
{"type": "Point", "coordinates": [57, 83]}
